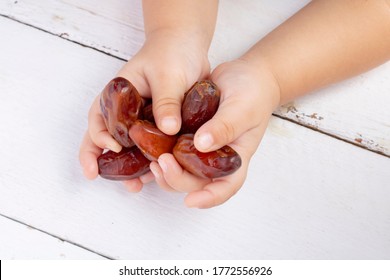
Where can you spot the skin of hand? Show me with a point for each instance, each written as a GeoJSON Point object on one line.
{"type": "Point", "coordinates": [172, 59]}
{"type": "Point", "coordinates": [252, 94]}
{"type": "Point", "coordinates": [327, 41]}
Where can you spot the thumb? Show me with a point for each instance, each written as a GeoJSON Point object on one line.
{"type": "Point", "coordinates": [233, 118]}
{"type": "Point", "coordinates": [167, 94]}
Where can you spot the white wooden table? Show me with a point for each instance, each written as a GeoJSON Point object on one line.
{"type": "Point", "coordinates": [318, 186]}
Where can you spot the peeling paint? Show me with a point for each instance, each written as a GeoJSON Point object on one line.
{"type": "Point", "coordinates": [292, 109]}
{"type": "Point", "coordinates": [315, 116]}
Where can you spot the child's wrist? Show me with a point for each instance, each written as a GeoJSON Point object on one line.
{"type": "Point", "coordinates": [177, 35]}
{"type": "Point", "coordinates": [268, 80]}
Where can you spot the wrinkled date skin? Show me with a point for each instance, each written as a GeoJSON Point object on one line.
{"type": "Point", "coordinates": [127, 164]}
{"type": "Point", "coordinates": [221, 162]}
{"type": "Point", "coordinates": [200, 104]}
{"type": "Point", "coordinates": [129, 119]}
{"type": "Point", "coordinates": [150, 140]}
{"type": "Point", "coordinates": [121, 105]}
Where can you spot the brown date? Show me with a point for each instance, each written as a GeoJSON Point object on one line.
{"type": "Point", "coordinates": [150, 140]}
{"type": "Point", "coordinates": [129, 119]}
{"type": "Point", "coordinates": [129, 163]}
{"type": "Point", "coordinates": [221, 162]}
{"type": "Point", "coordinates": [200, 104]}
{"type": "Point", "coordinates": [121, 105]}
{"type": "Point", "coordinates": [147, 113]}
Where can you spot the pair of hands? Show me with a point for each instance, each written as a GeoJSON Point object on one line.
{"type": "Point", "coordinates": [166, 67]}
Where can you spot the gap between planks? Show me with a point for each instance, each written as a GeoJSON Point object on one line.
{"type": "Point", "coordinates": [119, 58]}
{"type": "Point", "coordinates": [60, 36]}
{"type": "Point", "coordinates": [55, 236]}
{"type": "Point", "coordinates": [331, 135]}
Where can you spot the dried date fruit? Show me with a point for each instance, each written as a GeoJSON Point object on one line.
{"type": "Point", "coordinates": [221, 162]}
{"type": "Point", "coordinates": [147, 113]}
{"type": "Point", "coordinates": [121, 105]}
{"type": "Point", "coordinates": [129, 119]}
{"type": "Point", "coordinates": [150, 140]}
{"type": "Point", "coordinates": [200, 104]}
{"type": "Point", "coordinates": [129, 163]}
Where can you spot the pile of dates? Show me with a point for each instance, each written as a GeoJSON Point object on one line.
{"type": "Point", "coordinates": [129, 119]}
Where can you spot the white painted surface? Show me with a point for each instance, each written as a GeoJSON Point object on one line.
{"type": "Point", "coordinates": [18, 241]}
{"type": "Point", "coordinates": [355, 110]}
{"type": "Point", "coordinates": [307, 195]}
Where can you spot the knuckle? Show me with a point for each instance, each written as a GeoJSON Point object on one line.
{"type": "Point", "coordinates": [226, 130]}
{"type": "Point", "coordinates": [166, 104]}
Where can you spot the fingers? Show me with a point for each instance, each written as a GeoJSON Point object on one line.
{"type": "Point", "coordinates": [166, 89]}
{"type": "Point", "coordinates": [95, 140]}
{"type": "Point", "coordinates": [206, 193]}
{"type": "Point", "coordinates": [178, 178]}
{"type": "Point", "coordinates": [217, 192]}
{"type": "Point", "coordinates": [203, 192]}
{"type": "Point", "coordinates": [88, 155]}
{"type": "Point", "coordinates": [159, 177]}
{"type": "Point", "coordinates": [226, 126]}
{"type": "Point", "coordinates": [245, 103]}
{"type": "Point", "coordinates": [167, 93]}
{"type": "Point", "coordinates": [147, 178]}
{"type": "Point", "coordinates": [222, 189]}
{"type": "Point", "coordinates": [172, 177]}
{"type": "Point", "coordinates": [136, 185]}
{"type": "Point", "coordinates": [98, 131]}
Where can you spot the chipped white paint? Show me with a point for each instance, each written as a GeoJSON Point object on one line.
{"type": "Point", "coordinates": [358, 114]}
{"type": "Point", "coordinates": [355, 110]}
{"type": "Point", "coordinates": [307, 195]}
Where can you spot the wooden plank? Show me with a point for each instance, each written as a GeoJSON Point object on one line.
{"type": "Point", "coordinates": [355, 110]}
{"type": "Point", "coordinates": [103, 25]}
{"type": "Point", "coordinates": [307, 195]}
{"type": "Point", "coordinates": [19, 241]}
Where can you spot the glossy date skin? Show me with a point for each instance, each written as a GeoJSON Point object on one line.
{"type": "Point", "coordinates": [121, 105]}
{"type": "Point", "coordinates": [200, 104]}
{"type": "Point", "coordinates": [221, 162]}
{"type": "Point", "coordinates": [129, 119]}
{"type": "Point", "coordinates": [150, 140]}
{"type": "Point", "coordinates": [128, 164]}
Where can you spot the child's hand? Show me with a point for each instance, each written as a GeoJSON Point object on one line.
{"type": "Point", "coordinates": [248, 97]}
{"type": "Point", "coordinates": [166, 66]}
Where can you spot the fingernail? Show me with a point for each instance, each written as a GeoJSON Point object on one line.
{"type": "Point", "coordinates": [169, 123]}
{"type": "Point", "coordinates": [163, 165]}
{"type": "Point", "coordinates": [205, 141]}
{"type": "Point", "coordinates": [114, 147]}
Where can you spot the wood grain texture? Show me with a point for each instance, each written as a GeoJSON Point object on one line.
{"type": "Point", "coordinates": [19, 241]}
{"type": "Point", "coordinates": [114, 27]}
{"type": "Point", "coordinates": [355, 110]}
{"type": "Point", "coordinates": [307, 195]}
